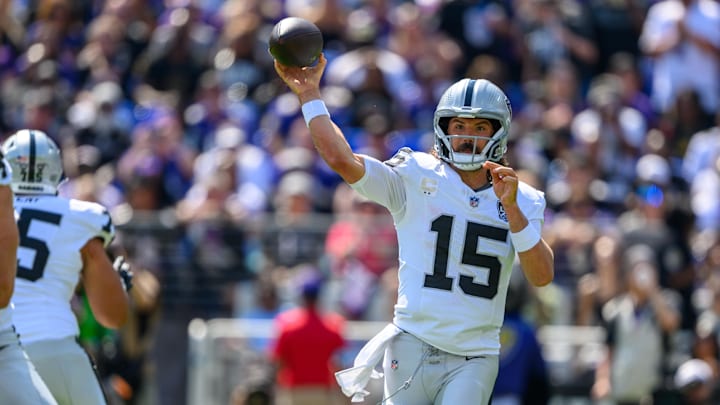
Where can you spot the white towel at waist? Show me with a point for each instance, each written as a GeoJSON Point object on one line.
{"type": "Point", "coordinates": [353, 380]}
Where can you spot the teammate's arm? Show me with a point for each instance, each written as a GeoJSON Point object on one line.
{"type": "Point", "coordinates": [327, 137]}
{"type": "Point", "coordinates": [9, 241]}
{"type": "Point", "coordinates": [106, 295]}
{"type": "Point", "coordinates": [9, 235]}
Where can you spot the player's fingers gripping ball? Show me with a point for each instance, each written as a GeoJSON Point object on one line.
{"type": "Point", "coordinates": [295, 42]}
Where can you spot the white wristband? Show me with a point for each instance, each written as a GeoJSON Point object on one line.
{"type": "Point", "coordinates": [525, 239]}
{"type": "Point", "coordinates": [312, 109]}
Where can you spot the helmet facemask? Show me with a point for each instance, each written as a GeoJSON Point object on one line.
{"type": "Point", "coordinates": [472, 99]}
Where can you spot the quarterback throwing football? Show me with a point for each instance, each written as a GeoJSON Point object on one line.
{"type": "Point", "coordinates": [461, 216]}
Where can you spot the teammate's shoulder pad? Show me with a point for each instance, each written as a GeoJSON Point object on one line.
{"type": "Point", "coordinates": [96, 217]}
{"type": "Point", "coordinates": [87, 206]}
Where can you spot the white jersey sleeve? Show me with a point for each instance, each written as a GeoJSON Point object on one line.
{"type": "Point", "coordinates": [53, 230]}
{"type": "Point", "coordinates": [382, 184]}
{"type": "Point", "coordinates": [456, 256]}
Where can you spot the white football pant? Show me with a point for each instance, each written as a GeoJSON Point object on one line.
{"type": "Point", "coordinates": [419, 374]}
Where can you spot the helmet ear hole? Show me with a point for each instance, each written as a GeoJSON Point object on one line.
{"type": "Point", "coordinates": [496, 152]}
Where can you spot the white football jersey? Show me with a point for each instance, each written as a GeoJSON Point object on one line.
{"type": "Point", "coordinates": [52, 232]}
{"type": "Point", "coordinates": [456, 255]}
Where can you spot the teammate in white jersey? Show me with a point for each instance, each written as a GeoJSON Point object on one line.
{"type": "Point", "coordinates": [461, 216]}
{"type": "Point", "coordinates": [19, 382]}
{"type": "Point", "coordinates": [62, 243]}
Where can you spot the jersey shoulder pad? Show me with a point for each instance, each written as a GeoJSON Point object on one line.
{"type": "Point", "coordinates": [531, 201]}
{"type": "Point", "coordinates": [401, 156]}
{"type": "Point", "coordinates": [530, 193]}
{"type": "Point", "coordinates": [406, 157]}
{"type": "Point", "coordinates": [95, 217]}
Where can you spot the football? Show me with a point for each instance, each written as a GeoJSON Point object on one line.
{"type": "Point", "coordinates": [295, 42]}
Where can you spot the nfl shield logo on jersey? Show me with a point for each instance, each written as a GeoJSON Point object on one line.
{"type": "Point", "coordinates": [501, 211]}
{"type": "Point", "coordinates": [474, 201]}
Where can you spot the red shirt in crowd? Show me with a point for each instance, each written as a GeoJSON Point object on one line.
{"type": "Point", "coordinates": [305, 345]}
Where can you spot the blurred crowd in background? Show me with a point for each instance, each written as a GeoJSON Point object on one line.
{"type": "Point", "coordinates": [170, 114]}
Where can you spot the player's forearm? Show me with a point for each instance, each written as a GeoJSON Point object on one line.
{"type": "Point", "coordinates": [110, 309]}
{"type": "Point", "coordinates": [9, 240]}
{"type": "Point", "coordinates": [108, 299]}
{"type": "Point", "coordinates": [538, 264]}
{"type": "Point", "coordinates": [106, 295]}
{"type": "Point", "coordinates": [517, 221]}
{"type": "Point", "coordinates": [538, 261]}
{"type": "Point", "coordinates": [334, 149]}
{"type": "Point", "coordinates": [8, 263]}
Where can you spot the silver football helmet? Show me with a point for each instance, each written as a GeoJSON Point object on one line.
{"type": "Point", "coordinates": [35, 161]}
{"type": "Point", "coordinates": [470, 98]}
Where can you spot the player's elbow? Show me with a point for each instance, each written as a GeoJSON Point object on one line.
{"type": "Point", "coordinates": [339, 162]}
{"type": "Point", "coordinates": [541, 274]}
{"type": "Point", "coordinates": [350, 168]}
{"type": "Point", "coordinates": [543, 280]}
{"type": "Point", "coordinates": [538, 264]}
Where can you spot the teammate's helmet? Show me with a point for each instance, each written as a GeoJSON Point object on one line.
{"type": "Point", "coordinates": [469, 98]}
{"type": "Point", "coordinates": [35, 161]}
